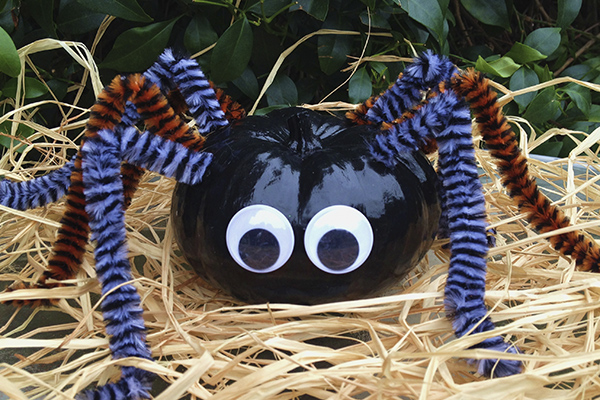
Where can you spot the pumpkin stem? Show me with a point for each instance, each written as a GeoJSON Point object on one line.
{"type": "Point", "coordinates": [302, 134]}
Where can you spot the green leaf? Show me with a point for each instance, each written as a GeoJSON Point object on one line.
{"type": "Point", "coordinates": [418, 33]}
{"type": "Point", "coordinates": [77, 19]}
{"type": "Point", "coordinates": [545, 40]}
{"type": "Point", "coordinates": [307, 90]}
{"type": "Point", "coordinates": [137, 48]}
{"type": "Point", "coordinates": [9, 58]}
{"type": "Point", "coordinates": [199, 34]}
{"type": "Point", "coordinates": [333, 51]}
{"type": "Point", "coordinates": [42, 11]}
{"type": "Point", "coordinates": [32, 87]}
{"type": "Point", "coordinates": [125, 9]}
{"type": "Point", "coordinates": [428, 13]}
{"type": "Point", "coordinates": [543, 73]}
{"type": "Point", "coordinates": [551, 149]}
{"type": "Point", "coordinates": [378, 19]}
{"type": "Point", "coordinates": [490, 12]}
{"type": "Point", "coordinates": [316, 8]}
{"type": "Point", "coordinates": [504, 66]}
{"type": "Point", "coordinates": [266, 110]}
{"type": "Point", "coordinates": [524, 54]}
{"type": "Point", "coordinates": [232, 52]}
{"type": "Point", "coordinates": [266, 48]}
{"type": "Point", "coordinates": [247, 83]}
{"type": "Point", "coordinates": [581, 96]}
{"type": "Point", "coordinates": [58, 88]}
{"type": "Point", "coordinates": [369, 3]}
{"type": "Point", "coordinates": [473, 52]}
{"type": "Point", "coordinates": [543, 107]}
{"type": "Point", "coordinates": [270, 8]}
{"type": "Point", "coordinates": [360, 86]}
{"type": "Point", "coordinates": [578, 71]}
{"type": "Point", "coordinates": [23, 131]}
{"type": "Point", "coordinates": [567, 12]}
{"type": "Point", "coordinates": [444, 5]}
{"type": "Point", "coordinates": [382, 76]}
{"type": "Point", "coordinates": [594, 113]}
{"type": "Point", "coordinates": [6, 16]}
{"type": "Point", "coordinates": [7, 142]}
{"type": "Point", "coordinates": [282, 92]}
{"type": "Point", "coordinates": [379, 67]}
{"type": "Point", "coordinates": [522, 78]}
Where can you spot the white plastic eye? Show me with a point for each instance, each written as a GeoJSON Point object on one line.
{"type": "Point", "coordinates": [338, 239]}
{"type": "Point", "coordinates": [260, 238]}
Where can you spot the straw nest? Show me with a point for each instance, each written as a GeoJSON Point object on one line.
{"type": "Point", "coordinates": [207, 345]}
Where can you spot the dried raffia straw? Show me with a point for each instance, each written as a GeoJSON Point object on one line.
{"type": "Point", "coordinates": [208, 346]}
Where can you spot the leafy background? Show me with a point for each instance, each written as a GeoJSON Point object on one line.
{"type": "Point", "coordinates": [237, 42]}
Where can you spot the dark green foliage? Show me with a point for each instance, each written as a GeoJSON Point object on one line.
{"type": "Point", "coordinates": [232, 52]}
{"type": "Point", "coordinates": [137, 48]}
{"type": "Point", "coordinates": [9, 59]}
{"type": "Point", "coordinates": [519, 44]}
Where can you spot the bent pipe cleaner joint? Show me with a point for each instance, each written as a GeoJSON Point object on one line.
{"type": "Point", "coordinates": [294, 199]}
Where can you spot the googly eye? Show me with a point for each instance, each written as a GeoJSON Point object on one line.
{"type": "Point", "coordinates": [260, 238]}
{"type": "Point", "coordinates": [338, 239]}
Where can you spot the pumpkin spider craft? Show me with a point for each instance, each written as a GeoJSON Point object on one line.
{"type": "Point", "coordinates": [427, 108]}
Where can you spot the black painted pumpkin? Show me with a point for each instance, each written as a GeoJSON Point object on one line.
{"type": "Point", "coordinates": [294, 208]}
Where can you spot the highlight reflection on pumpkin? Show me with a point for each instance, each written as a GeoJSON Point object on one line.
{"type": "Point", "coordinates": [295, 208]}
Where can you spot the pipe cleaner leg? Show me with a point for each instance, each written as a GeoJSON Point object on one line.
{"type": "Point", "coordinates": [165, 157]}
{"type": "Point", "coordinates": [446, 120]}
{"type": "Point", "coordinates": [411, 87]}
{"type": "Point", "coordinates": [122, 312]}
{"type": "Point", "coordinates": [51, 187]}
{"type": "Point", "coordinates": [70, 247]}
{"type": "Point", "coordinates": [396, 108]}
{"type": "Point", "coordinates": [167, 73]}
{"type": "Point", "coordinates": [186, 75]}
{"type": "Point", "coordinates": [38, 191]}
{"type": "Point", "coordinates": [502, 143]}
{"type": "Point", "coordinates": [101, 156]}
{"type": "Point", "coordinates": [104, 206]}
{"type": "Point", "coordinates": [465, 285]}
{"type": "Point", "coordinates": [420, 80]}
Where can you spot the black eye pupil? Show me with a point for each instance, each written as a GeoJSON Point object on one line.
{"type": "Point", "coordinates": [259, 248]}
{"type": "Point", "coordinates": [337, 249]}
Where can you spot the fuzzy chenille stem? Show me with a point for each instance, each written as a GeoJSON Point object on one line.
{"type": "Point", "coordinates": [503, 145]}
{"type": "Point", "coordinates": [168, 158]}
{"type": "Point", "coordinates": [423, 75]}
{"type": "Point", "coordinates": [186, 75]}
{"type": "Point", "coordinates": [49, 188]}
{"type": "Point", "coordinates": [168, 73]}
{"type": "Point", "coordinates": [121, 306]}
{"type": "Point", "coordinates": [103, 188]}
{"type": "Point", "coordinates": [445, 118]}
{"type": "Point", "coordinates": [465, 285]}
{"type": "Point", "coordinates": [38, 191]}
{"type": "Point", "coordinates": [104, 200]}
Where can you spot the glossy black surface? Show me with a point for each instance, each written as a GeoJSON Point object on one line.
{"type": "Point", "coordinates": [300, 162]}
